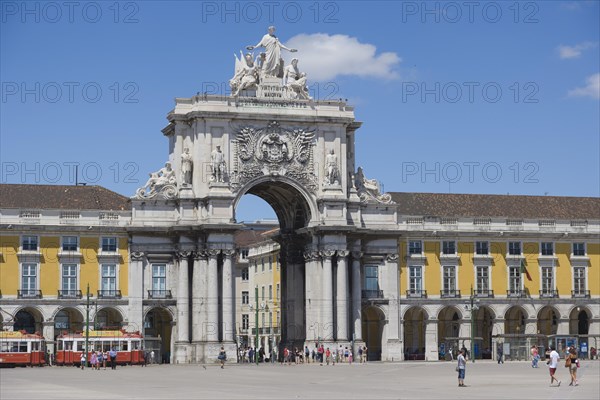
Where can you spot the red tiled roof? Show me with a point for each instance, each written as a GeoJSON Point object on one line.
{"type": "Point", "coordinates": [490, 205]}
{"type": "Point", "coordinates": [61, 197]}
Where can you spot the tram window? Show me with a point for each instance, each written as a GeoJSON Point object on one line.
{"type": "Point", "coordinates": [123, 346]}
{"type": "Point", "coordinates": [22, 347]}
{"type": "Point", "coordinates": [135, 345]}
{"type": "Point", "coordinates": [4, 346]}
{"type": "Point", "coordinates": [35, 346]}
{"type": "Point", "coordinates": [68, 345]}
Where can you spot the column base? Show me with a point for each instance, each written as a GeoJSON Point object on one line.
{"type": "Point", "coordinates": [394, 350]}
{"type": "Point", "coordinates": [183, 353]}
{"type": "Point", "coordinates": [207, 352]}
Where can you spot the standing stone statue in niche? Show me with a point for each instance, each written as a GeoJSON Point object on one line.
{"type": "Point", "coordinates": [186, 167]}
{"type": "Point", "coordinates": [332, 172]}
{"type": "Point", "coordinates": [273, 63]}
{"type": "Point", "coordinates": [217, 163]}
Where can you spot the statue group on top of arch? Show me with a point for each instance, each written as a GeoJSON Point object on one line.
{"type": "Point", "coordinates": [369, 189]}
{"type": "Point", "coordinates": [250, 72]}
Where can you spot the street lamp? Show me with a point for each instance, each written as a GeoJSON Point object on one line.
{"type": "Point", "coordinates": [472, 307]}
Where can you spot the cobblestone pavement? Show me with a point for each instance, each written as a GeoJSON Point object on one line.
{"type": "Point", "coordinates": [407, 380]}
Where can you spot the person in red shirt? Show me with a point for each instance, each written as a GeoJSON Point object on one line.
{"type": "Point", "coordinates": [328, 355]}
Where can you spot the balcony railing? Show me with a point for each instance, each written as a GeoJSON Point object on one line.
{"type": "Point", "coordinates": [159, 294]}
{"type": "Point", "coordinates": [516, 293]}
{"type": "Point", "coordinates": [69, 294]}
{"type": "Point", "coordinates": [548, 294]}
{"type": "Point", "coordinates": [29, 294]}
{"type": "Point", "coordinates": [372, 294]}
{"type": "Point", "coordinates": [109, 294]}
{"type": "Point", "coordinates": [483, 293]}
{"type": "Point", "coordinates": [450, 293]}
{"type": "Point", "coordinates": [580, 294]}
{"type": "Point", "coordinates": [416, 294]}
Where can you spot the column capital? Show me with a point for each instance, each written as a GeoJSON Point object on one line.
{"type": "Point", "coordinates": [228, 253]}
{"type": "Point", "coordinates": [311, 255]}
{"type": "Point", "coordinates": [343, 253]}
{"type": "Point", "coordinates": [200, 255]}
{"type": "Point", "coordinates": [182, 254]}
{"type": "Point", "coordinates": [137, 255]}
{"type": "Point", "coordinates": [212, 253]}
{"type": "Point", "coordinates": [357, 255]}
{"type": "Point", "coordinates": [391, 257]}
{"type": "Point", "coordinates": [327, 253]}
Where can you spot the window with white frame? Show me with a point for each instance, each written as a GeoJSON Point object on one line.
{"type": "Point", "coordinates": [482, 248]}
{"type": "Point", "coordinates": [514, 248]}
{"type": "Point", "coordinates": [70, 243]}
{"type": "Point", "coordinates": [449, 272]}
{"type": "Point", "coordinates": [448, 247]}
{"type": "Point", "coordinates": [415, 277]}
{"type": "Point", "coordinates": [245, 274]}
{"type": "Point", "coordinates": [514, 280]}
{"type": "Point", "coordinates": [159, 280]}
{"type": "Point", "coordinates": [371, 278]}
{"type": "Point", "coordinates": [244, 254]}
{"type": "Point", "coordinates": [29, 243]}
{"type": "Point", "coordinates": [245, 321]}
{"type": "Point", "coordinates": [69, 279]}
{"type": "Point", "coordinates": [108, 280]}
{"type": "Point", "coordinates": [262, 317]}
{"type": "Point", "coordinates": [262, 290]}
{"type": "Point", "coordinates": [483, 279]}
{"type": "Point", "coordinates": [271, 261]}
{"type": "Point", "coordinates": [29, 278]}
{"type": "Point", "coordinates": [415, 247]}
{"type": "Point", "coordinates": [262, 265]}
{"type": "Point", "coordinates": [245, 297]}
{"type": "Point", "coordinates": [270, 292]}
{"type": "Point", "coordinates": [547, 280]}
{"type": "Point", "coordinates": [547, 248]}
{"type": "Point", "coordinates": [109, 244]}
{"type": "Point", "coordinates": [579, 249]}
{"type": "Point", "coordinates": [579, 281]}
{"type": "Point", "coordinates": [277, 288]}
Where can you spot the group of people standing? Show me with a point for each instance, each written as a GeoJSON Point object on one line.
{"type": "Point", "coordinates": [99, 359]}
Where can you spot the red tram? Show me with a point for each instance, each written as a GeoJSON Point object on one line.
{"type": "Point", "coordinates": [129, 346]}
{"type": "Point", "coordinates": [19, 348]}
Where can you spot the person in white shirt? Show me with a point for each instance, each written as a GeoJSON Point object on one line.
{"type": "Point", "coordinates": [461, 368]}
{"type": "Point", "coordinates": [552, 364]}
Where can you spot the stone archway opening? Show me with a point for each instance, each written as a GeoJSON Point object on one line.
{"type": "Point", "coordinates": [158, 326]}
{"type": "Point", "coordinates": [372, 330]}
{"type": "Point", "coordinates": [415, 320]}
{"type": "Point", "coordinates": [547, 321]}
{"type": "Point", "coordinates": [28, 319]}
{"type": "Point", "coordinates": [292, 209]}
{"type": "Point", "coordinates": [449, 334]}
{"type": "Point", "coordinates": [579, 321]}
{"type": "Point", "coordinates": [108, 318]}
{"type": "Point", "coordinates": [68, 320]}
{"type": "Point", "coordinates": [484, 326]}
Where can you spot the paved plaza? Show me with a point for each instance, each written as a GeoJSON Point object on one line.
{"type": "Point", "coordinates": [409, 380]}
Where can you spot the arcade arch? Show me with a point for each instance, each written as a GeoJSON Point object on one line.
{"type": "Point", "coordinates": [108, 318]}
{"type": "Point", "coordinates": [28, 319]}
{"type": "Point", "coordinates": [158, 327]}
{"type": "Point", "coordinates": [372, 330]}
{"type": "Point", "coordinates": [415, 320]}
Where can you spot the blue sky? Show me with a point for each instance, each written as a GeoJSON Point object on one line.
{"type": "Point", "coordinates": [479, 97]}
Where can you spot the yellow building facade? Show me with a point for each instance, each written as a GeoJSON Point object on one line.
{"type": "Point", "coordinates": [55, 243]}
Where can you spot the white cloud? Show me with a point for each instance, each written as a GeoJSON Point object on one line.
{"type": "Point", "coordinates": [574, 51]}
{"type": "Point", "coordinates": [324, 57]}
{"type": "Point", "coordinates": [592, 89]}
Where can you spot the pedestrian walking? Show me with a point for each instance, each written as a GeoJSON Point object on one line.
{"type": "Point", "coordinates": [500, 351]}
{"type": "Point", "coordinates": [83, 360]}
{"type": "Point", "coordinates": [113, 358]}
{"type": "Point", "coordinates": [100, 359]}
{"type": "Point", "coordinates": [222, 357]}
{"type": "Point", "coordinates": [552, 364]}
{"type": "Point", "coordinates": [572, 362]}
{"type": "Point", "coordinates": [535, 356]}
{"type": "Point", "coordinates": [461, 368]}
{"type": "Point", "coordinates": [328, 356]}
{"type": "Point", "coordinates": [364, 354]}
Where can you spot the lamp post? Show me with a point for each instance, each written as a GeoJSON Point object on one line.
{"type": "Point", "coordinates": [256, 324]}
{"type": "Point", "coordinates": [473, 307]}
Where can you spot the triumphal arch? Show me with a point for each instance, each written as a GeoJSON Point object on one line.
{"type": "Point", "coordinates": [268, 138]}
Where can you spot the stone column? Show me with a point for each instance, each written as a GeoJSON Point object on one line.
{"type": "Point", "coordinates": [356, 296]}
{"type": "Point", "coordinates": [48, 333]}
{"type": "Point", "coordinates": [199, 295]}
{"type": "Point", "coordinates": [431, 340]}
{"type": "Point", "coordinates": [136, 291]}
{"type": "Point", "coordinates": [327, 307]}
{"type": "Point", "coordinates": [228, 319]}
{"type": "Point", "coordinates": [342, 296]}
{"type": "Point", "coordinates": [183, 328]}
{"type": "Point", "coordinates": [394, 345]}
{"type": "Point", "coordinates": [312, 296]}
{"type": "Point", "coordinates": [212, 306]}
